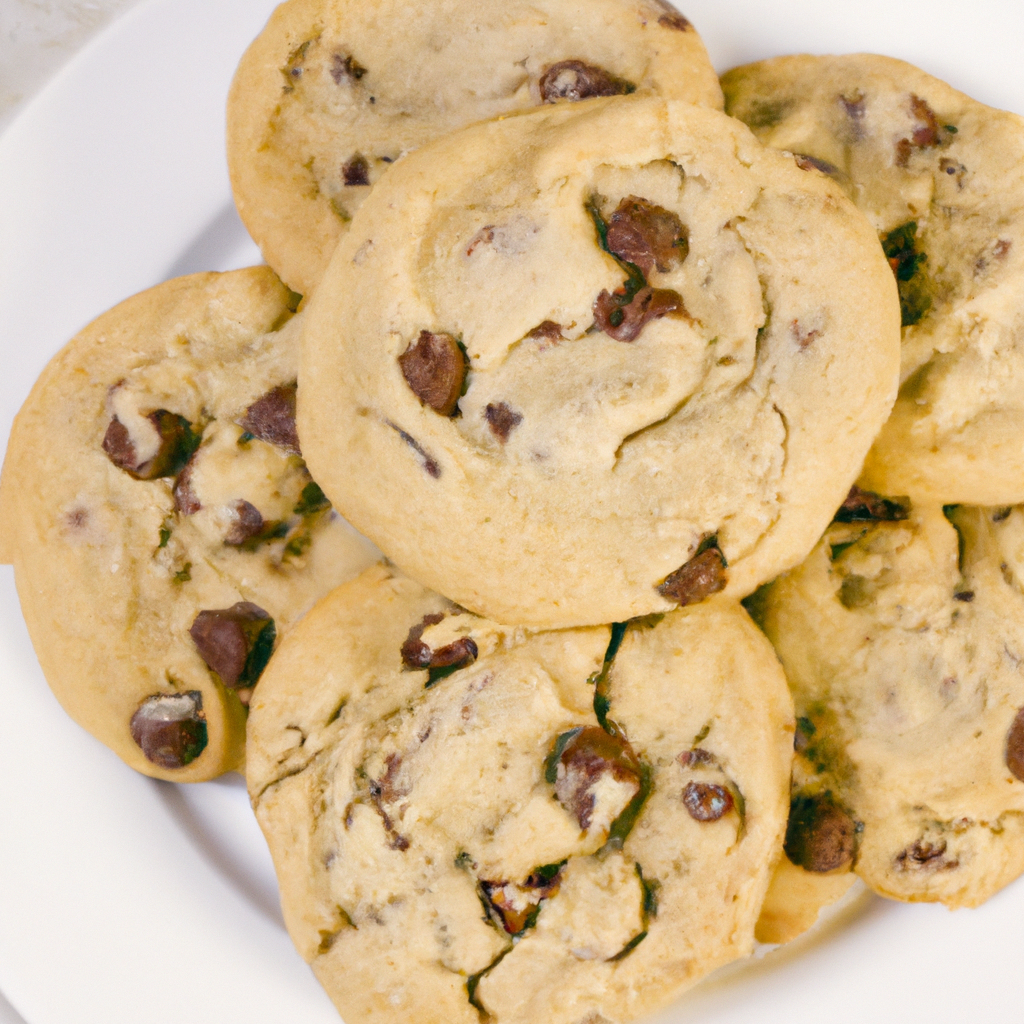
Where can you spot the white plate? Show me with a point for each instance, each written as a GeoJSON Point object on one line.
{"type": "Point", "coordinates": [123, 900]}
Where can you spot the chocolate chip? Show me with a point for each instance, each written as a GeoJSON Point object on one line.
{"type": "Point", "coordinates": [821, 835]}
{"type": "Point", "coordinates": [428, 462]}
{"type": "Point", "coordinates": [235, 642]}
{"type": "Point", "coordinates": [346, 68]}
{"type": "Point", "coordinates": [697, 758]}
{"type": "Point", "coordinates": [675, 21]}
{"type": "Point", "coordinates": [707, 802]}
{"type": "Point", "coordinates": [418, 655]}
{"type": "Point", "coordinates": [355, 170]}
{"type": "Point", "coordinates": [246, 525]}
{"type": "Point", "coordinates": [186, 501]}
{"type": "Point", "coordinates": [177, 443]}
{"type": "Point", "coordinates": [483, 237]}
{"type": "Point", "coordinates": [271, 418]}
{"type": "Point", "coordinates": [580, 759]}
{"type": "Point", "coordinates": [623, 318]}
{"type": "Point", "coordinates": [170, 728]}
{"type": "Point", "coordinates": [964, 595]}
{"type": "Point", "coordinates": [867, 507]}
{"type": "Point", "coordinates": [700, 577]}
{"type": "Point", "coordinates": [576, 80]}
{"type": "Point", "coordinates": [547, 330]}
{"type": "Point", "coordinates": [924, 855]}
{"type": "Point", "coordinates": [648, 236]}
{"type": "Point", "coordinates": [854, 105]}
{"type": "Point", "coordinates": [812, 163]}
{"type": "Point", "coordinates": [515, 905]}
{"type": "Point", "coordinates": [435, 369]}
{"type": "Point", "coordinates": [385, 791]}
{"type": "Point", "coordinates": [925, 135]}
{"type": "Point", "coordinates": [502, 419]}
{"type": "Point", "coordinates": [1015, 746]}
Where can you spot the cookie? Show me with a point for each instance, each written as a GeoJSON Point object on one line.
{"type": "Point", "coordinates": [795, 900]}
{"type": "Point", "coordinates": [598, 361]}
{"type": "Point", "coordinates": [902, 636]}
{"type": "Point", "coordinates": [333, 91]}
{"type": "Point", "coordinates": [161, 522]}
{"type": "Point", "coordinates": [941, 178]}
{"type": "Point", "coordinates": [472, 821]}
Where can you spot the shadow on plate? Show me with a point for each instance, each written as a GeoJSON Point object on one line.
{"type": "Point", "coordinates": [223, 244]}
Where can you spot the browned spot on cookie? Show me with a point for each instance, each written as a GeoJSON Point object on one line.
{"type": "Point", "coordinates": [502, 419]}
{"type": "Point", "coordinates": [186, 501]}
{"type": "Point", "coordinates": [586, 756]}
{"type": "Point", "coordinates": [515, 904]}
{"type": "Point", "coordinates": [77, 518]}
{"type": "Point", "coordinates": [700, 577]}
{"type": "Point", "coordinates": [176, 444]}
{"type": "Point", "coordinates": [577, 80]}
{"type": "Point", "coordinates": [246, 524]}
{"type": "Point", "coordinates": [624, 320]}
{"type": "Point", "coordinates": [435, 370]}
{"type": "Point", "coordinates": [344, 67]}
{"type": "Point", "coordinates": [483, 237]}
{"type": "Point", "coordinates": [705, 801]}
{"type": "Point", "coordinates": [821, 835]}
{"type": "Point", "coordinates": [924, 855]}
{"type": "Point", "coordinates": [235, 642]}
{"type": "Point", "coordinates": [1015, 746]}
{"type": "Point", "coordinates": [271, 418]}
{"type": "Point", "coordinates": [866, 506]}
{"type": "Point", "coordinates": [170, 728]}
{"type": "Point", "coordinates": [355, 170]}
{"type": "Point", "coordinates": [803, 336]}
{"type": "Point", "coordinates": [646, 235]}
{"type": "Point", "coordinates": [676, 21]}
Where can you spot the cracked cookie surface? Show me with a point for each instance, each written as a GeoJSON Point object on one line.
{"type": "Point", "coordinates": [162, 525]}
{"type": "Point", "coordinates": [596, 361]}
{"type": "Point", "coordinates": [903, 642]}
{"type": "Point", "coordinates": [569, 826]}
{"type": "Point", "coordinates": [941, 178]}
{"type": "Point", "coordinates": [334, 91]}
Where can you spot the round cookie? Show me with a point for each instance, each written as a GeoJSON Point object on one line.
{"type": "Point", "coordinates": [333, 91]}
{"type": "Point", "coordinates": [597, 361]}
{"type": "Point", "coordinates": [902, 637]}
{"type": "Point", "coordinates": [161, 522]}
{"type": "Point", "coordinates": [457, 837]}
{"type": "Point", "coordinates": [941, 178]}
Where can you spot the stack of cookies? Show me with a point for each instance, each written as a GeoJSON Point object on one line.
{"type": "Point", "coordinates": [438, 527]}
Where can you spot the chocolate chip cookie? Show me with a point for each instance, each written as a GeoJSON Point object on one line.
{"type": "Point", "coordinates": [941, 178]}
{"type": "Point", "coordinates": [902, 636]}
{"type": "Point", "coordinates": [334, 91]}
{"type": "Point", "coordinates": [597, 361]}
{"type": "Point", "coordinates": [471, 821]}
{"type": "Point", "coordinates": [163, 527]}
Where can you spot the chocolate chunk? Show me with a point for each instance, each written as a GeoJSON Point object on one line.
{"type": "Point", "coordinates": [867, 507]}
{"type": "Point", "coordinates": [418, 655]}
{"type": "Point", "coordinates": [170, 728]}
{"type": "Point", "coordinates": [964, 595]}
{"type": "Point", "coordinates": [623, 318]}
{"type": "Point", "coordinates": [186, 501]}
{"type": "Point", "coordinates": [1015, 746]}
{"type": "Point", "coordinates": [435, 369]}
{"type": "Point", "coordinates": [502, 419]}
{"type": "Point", "coordinates": [547, 330]}
{"type": "Point", "coordinates": [271, 418]}
{"type": "Point", "coordinates": [575, 80]}
{"type": "Point", "coordinates": [821, 835]}
{"type": "Point", "coordinates": [707, 802]}
{"type": "Point", "coordinates": [346, 68]}
{"type": "Point", "coordinates": [648, 236]}
{"type": "Point", "coordinates": [355, 170]}
{"type": "Point", "coordinates": [177, 443]}
{"type": "Point", "coordinates": [925, 135]}
{"type": "Point", "coordinates": [515, 905]}
{"type": "Point", "coordinates": [246, 525]}
{"type": "Point", "coordinates": [580, 759]}
{"type": "Point", "coordinates": [235, 642]}
{"type": "Point", "coordinates": [700, 577]}
{"type": "Point", "coordinates": [923, 855]}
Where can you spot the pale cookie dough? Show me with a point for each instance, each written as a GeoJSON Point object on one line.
{"type": "Point", "coordinates": [941, 178]}
{"type": "Point", "coordinates": [333, 91]}
{"type": "Point", "coordinates": [551, 434]}
{"type": "Point", "coordinates": [796, 898]}
{"type": "Point", "coordinates": [162, 525]}
{"type": "Point", "coordinates": [471, 821]}
{"type": "Point", "coordinates": [903, 642]}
